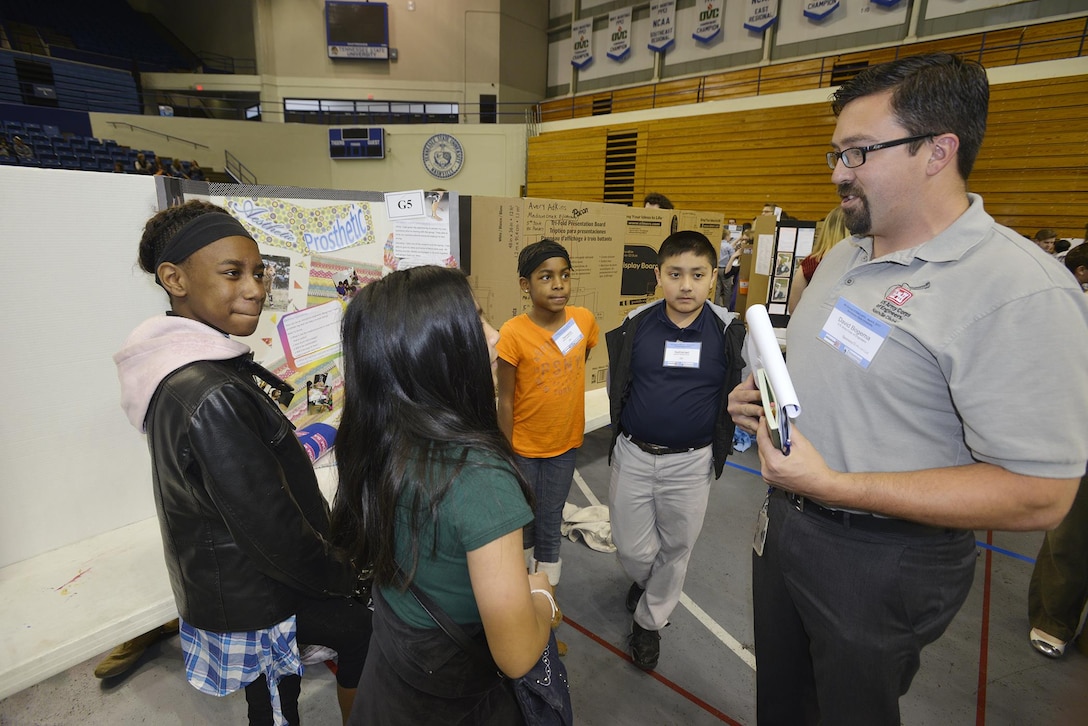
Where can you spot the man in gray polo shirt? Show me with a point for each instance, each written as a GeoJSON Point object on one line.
{"type": "Point", "coordinates": [941, 362]}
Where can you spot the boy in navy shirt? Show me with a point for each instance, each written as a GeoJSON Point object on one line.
{"type": "Point", "coordinates": [673, 362]}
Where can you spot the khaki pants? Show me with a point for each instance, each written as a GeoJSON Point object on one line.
{"type": "Point", "coordinates": [657, 504]}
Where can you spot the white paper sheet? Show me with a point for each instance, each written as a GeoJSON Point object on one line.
{"type": "Point", "coordinates": [763, 352]}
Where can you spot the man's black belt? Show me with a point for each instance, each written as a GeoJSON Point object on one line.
{"type": "Point", "coordinates": [864, 522]}
{"type": "Point", "coordinates": [658, 449]}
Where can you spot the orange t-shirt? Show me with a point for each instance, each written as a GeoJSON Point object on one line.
{"type": "Point", "coordinates": [549, 387]}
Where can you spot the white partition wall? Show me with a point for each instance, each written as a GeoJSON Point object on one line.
{"type": "Point", "coordinates": [71, 467]}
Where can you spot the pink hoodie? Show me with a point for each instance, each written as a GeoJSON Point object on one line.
{"type": "Point", "coordinates": [158, 347]}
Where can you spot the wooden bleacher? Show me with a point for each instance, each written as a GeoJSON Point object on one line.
{"type": "Point", "coordinates": [1030, 169]}
{"type": "Point", "coordinates": [994, 48]}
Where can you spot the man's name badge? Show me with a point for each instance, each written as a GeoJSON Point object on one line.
{"type": "Point", "coordinates": [568, 336]}
{"type": "Point", "coordinates": [762, 522]}
{"type": "Point", "coordinates": [682, 355]}
{"type": "Point", "coordinates": [854, 332]}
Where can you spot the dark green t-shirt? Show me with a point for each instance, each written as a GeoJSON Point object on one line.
{"type": "Point", "coordinates": [483, 503]}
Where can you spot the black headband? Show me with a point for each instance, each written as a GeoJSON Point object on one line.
{"type": "Point", "coordinates": [197, 234]}
{"type": "Point", "coordinates": [526, 268]}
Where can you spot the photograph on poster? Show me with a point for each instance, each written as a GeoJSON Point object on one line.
{"type": "Point", "coordinates": [781, 289]}
{"type": "Point", "coordinates": [277, 280]}
{"type": "Point", "coordinates": [318, 394]}
{"type": "Point", "coordinates": [312, 404]}
{"type": "Point", "coordinates": [338, 279]}
{"type": "Point", "coordinates": [783, 264]}
{"type": "Point", "coordinates": [324, 393]}
{"type": "Point", "coordinates": [439, 204]}
{"type": "Point", "coordinates": [274, 393]}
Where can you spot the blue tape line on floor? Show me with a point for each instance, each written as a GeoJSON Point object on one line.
{"type": "Point", "coordinates": [748, 469]}
{"type": "Point", "coordinates": [1008, 553]}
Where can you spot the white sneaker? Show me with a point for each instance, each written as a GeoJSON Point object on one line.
{"type": "Point", "coordinates": [314, 654]}
{"type": "Point", "coordinates": [1046, 644]}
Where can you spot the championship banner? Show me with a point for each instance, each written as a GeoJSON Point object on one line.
{"type": "Point", "coordinates": [820, 9]}
{"type": "Point", "coordinates": [761, 15]}
{"type": "Point", "coordinates": [709, 22]}
{"type": "Point", "coordinates": [662, 25]}
{"type": "Point", "coordinates": [581, 35]}
{"type": "Point", "coordinates": [619, 24]}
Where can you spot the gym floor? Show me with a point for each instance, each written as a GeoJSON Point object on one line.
{"type": "Point", "coordinates": [981, 671]}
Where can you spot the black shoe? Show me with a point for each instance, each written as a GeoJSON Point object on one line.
{"type": "Point", "coordinates": [645, 646]}
{"type": "Point", "coordinates": [633, 596]}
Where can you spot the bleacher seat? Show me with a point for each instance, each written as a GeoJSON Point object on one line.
{"type": "Point", "coordinates": [14, 128]}
{"type": "Point", "coordinates": [50, 130]}
{"type": "Point", "coordinates": [8, 160]}
{"type": "Point", "coordinates": [29, 162]}
{"type": "Point", "coordinates": [51, 161]}
{"type": "Point", "coordinates": [32, 128]}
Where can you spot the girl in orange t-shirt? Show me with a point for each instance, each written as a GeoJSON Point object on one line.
{"type": "Point", "coordinates": [541, 377]}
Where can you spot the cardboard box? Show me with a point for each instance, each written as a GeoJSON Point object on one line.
{"type": "Point", "coordinates": [613, 251]}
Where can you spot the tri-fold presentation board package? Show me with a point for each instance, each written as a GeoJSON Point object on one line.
{"type": "Point", "coordinates": [613, 251]}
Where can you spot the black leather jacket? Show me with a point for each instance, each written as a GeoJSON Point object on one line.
{"type": "Point", "coordinates": [244, 525]}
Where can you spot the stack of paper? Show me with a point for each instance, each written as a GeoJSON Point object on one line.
{"type": "Point", "coordinates": [780, 404]}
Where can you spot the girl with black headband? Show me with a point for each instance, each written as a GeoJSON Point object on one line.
{"type": "Point", "coordinates": [541, 383]}
{"type": "Point", "coordinates": [244, 525]}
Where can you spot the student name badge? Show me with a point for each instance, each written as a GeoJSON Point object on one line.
{"type": "Point", "coordinates": [568, 336]}
{"type": "Point", "coordinates": [854, 332]}
{"type": "Point", "coordinates": [681, 355]}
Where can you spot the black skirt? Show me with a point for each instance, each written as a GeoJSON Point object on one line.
{"type": "Point", "coordinates": [420, 676]}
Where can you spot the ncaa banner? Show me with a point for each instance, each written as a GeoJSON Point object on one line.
{"type": "Point", "coordinates": [581, 36]}
{"type": "Point", "coordinates": [709, 22]}
{"type": "Point", "coordinates": [662, 25]}
{"type": "Point", "coordinates": [820, 9]}
{"type": "Point", "coordinates": [761, 14]}
{"type": "Point", "coordinates": [619, 24]}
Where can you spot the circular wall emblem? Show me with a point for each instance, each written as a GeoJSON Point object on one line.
{"type": "Point", "coordinates": [443, 156]}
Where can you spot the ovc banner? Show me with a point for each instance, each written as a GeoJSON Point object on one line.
{"type": "Point", "coordinates": [761, 14]}
{"type": "Point", "coordinates": [581, 36]}
{"type": "Point", "coordinates": [619, 25]}
{"type": "Point", "coordinates": [709, 22]}
{"type": "Point", "coordinates": [662, 25]}
{"type": "Point", "coordinates": [820, 9]}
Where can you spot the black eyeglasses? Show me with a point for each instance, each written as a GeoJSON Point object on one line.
{"type": "Point", "coordinates": [855, 156]}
